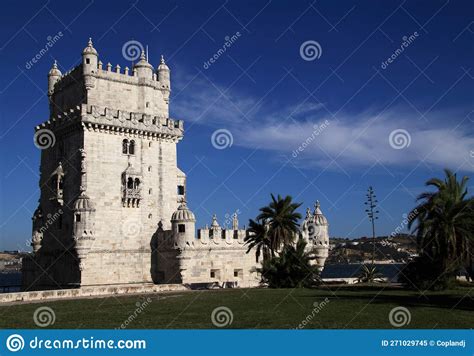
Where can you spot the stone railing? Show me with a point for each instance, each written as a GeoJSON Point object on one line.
{"type": "Point", "coordinates": [132, 193]}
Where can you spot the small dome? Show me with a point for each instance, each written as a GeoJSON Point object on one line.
{"type": "Point", "coordinates": [83, 203]}
{"type": "Point", "coordinates": [183, 213]}
{"type": "Point", "coordinates": [143, 62]}
{"type": "Point", "coordinates": [90, 48]}
{"type": "Point", "coordinates": [163, 65]}
{"type": "Point", "coordinates": [54, 70]}
{"type": "Point", "coordinates": [319, 218]}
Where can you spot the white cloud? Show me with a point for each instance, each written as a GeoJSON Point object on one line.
{"type": "Point", "coordinates": [352, 140]}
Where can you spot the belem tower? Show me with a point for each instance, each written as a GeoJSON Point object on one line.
{"type": "Point", "coordinates": [112, 207]}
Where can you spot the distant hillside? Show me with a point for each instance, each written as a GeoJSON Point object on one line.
{"type": "Point", "coordinates": [398, 249]}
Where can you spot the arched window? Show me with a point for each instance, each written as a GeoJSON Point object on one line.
{"type": "Point", "coordinates": [131, 148]}
{"type": "Point", "coordinates": [125, 147]}
{"type": "Point", "coordinates": [137, 183]}
{"type": "Point", "coordinates": [130, 183]}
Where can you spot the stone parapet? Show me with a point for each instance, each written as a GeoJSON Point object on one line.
{"type": "Point", "coordinates": [89, 291]}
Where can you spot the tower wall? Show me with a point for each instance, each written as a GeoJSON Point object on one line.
{"type": "Point", "coordinates": [126, 92]}
{"type": "Point", "coordinates": [124, 233]}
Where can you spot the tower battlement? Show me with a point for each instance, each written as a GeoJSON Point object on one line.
{"type": "Point", "coordinates": [113, 120]}
{"type": "Point", "coordinates": [141, 88]}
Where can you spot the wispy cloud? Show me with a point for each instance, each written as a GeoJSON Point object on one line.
{"type": "Point", "coordinates": [444, 139]}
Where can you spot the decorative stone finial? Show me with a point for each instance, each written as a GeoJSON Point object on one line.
{"type": "Point", "coordinates": [317, 210]}
{"type": "Point", "coordinates": [162, 60]}
{"type": "Point", "coordinates": [235, 222]}
{"type": "Point", "coordinates": [143, 57]}
{"type": "Point", "coordinates": [90, 48]}
{"type": "Point", "coordinates": [214, 224]}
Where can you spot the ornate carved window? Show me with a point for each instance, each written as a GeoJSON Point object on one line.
{"type": "Point", "coordinates": [131, 188]}
{"type": "Point", "coordinates": [128, 147]}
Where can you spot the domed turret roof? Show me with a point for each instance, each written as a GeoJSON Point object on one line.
{"type": "Point", "coordinates": [83, 203]}
{"type": "Point", "coordinates": [183, 213]}
{"type": "Point", "coordinates": [319, 218]}
{"type": "Point", "coordinates": [54, 70]}
{"type": "Point", "coordinates": [143, 62]}
{"type": "Point", "coordinates": [90, 48]}
{"type": "Point", "coordinates": [163, 65]}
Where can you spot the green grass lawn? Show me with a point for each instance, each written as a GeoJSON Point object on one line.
{"type": "Point", "coordinates": [356, 307]}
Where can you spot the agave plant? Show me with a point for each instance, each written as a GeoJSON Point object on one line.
{"type": "Point", "coordinates": [369, 274]}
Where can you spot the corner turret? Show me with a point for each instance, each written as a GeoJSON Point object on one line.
{"type": "Point", "coordinates": [183, 226]}
{"type": "Point", "coordinates": [53, 76]}
{"type": "Point", "coordinates": [90, 60]}
{"type": "Point", "coordinates": [83, 232]}
{"type": "Point", "coordinates": [164, 74]}
{"type": "Point", "coordinates": [143, 68]}
{"type": "Point", "coordinates": [315, 230]}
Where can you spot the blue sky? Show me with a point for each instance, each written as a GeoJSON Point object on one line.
{"type": "Point", "coordinates": [363, 120]}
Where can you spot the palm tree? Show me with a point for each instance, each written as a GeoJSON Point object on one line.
{"type": "Point", "coordinates": [292, 268]}
{"type": "Point", "coordinates": [445, 221]}
{"type": "Point", "coordinates": [282, 220]}
{"type": "Point", "coordinates": [257, 238]}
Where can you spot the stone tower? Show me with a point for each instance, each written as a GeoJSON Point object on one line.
{"type": "Point", "coordinates": [108, 177]}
